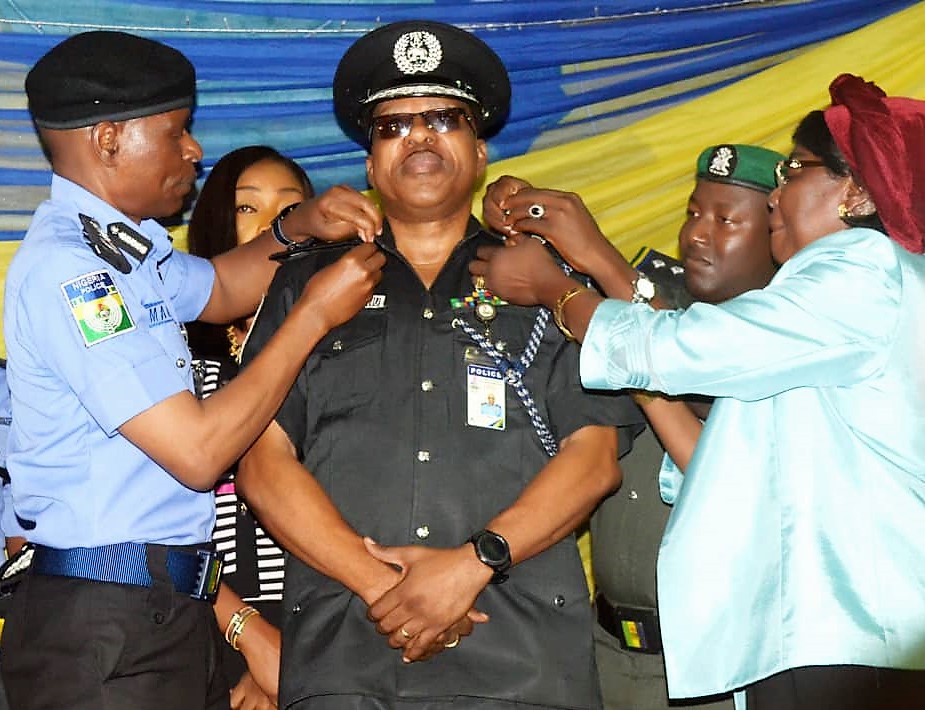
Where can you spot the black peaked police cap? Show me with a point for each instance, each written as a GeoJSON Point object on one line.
{"type": "Point", "coordinates": [107, 76]}
{"type": "Point", "coordinates": [419, 58]}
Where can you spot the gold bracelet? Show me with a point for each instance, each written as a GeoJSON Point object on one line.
{"type": "Point", "coordinates": [560, 307]}
{"type": "Point", "coordinates": [237, 623]}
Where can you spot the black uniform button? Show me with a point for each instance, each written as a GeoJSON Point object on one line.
{"type": "Point", "coordinates": [559, 601]}
{"type": "Point", "coordinates": [297, 609]}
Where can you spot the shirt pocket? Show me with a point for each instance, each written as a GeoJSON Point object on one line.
{"type": "Point", "coordinates": [348, 365]}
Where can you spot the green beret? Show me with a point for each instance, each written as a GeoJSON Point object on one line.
{"type": "Point", "coordinates": [107, 76]}
{"type": "Point", "coordinates": [419, 58]}
{"type": "Point", "coordinates": [744, 165]}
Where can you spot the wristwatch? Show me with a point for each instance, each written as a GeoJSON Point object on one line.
{"type": "Point", "coordinates": [643, 289]}
{"type": "Point", "coordinates": [492, 550]}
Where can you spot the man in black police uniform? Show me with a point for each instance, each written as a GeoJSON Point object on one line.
{"type": "Point", "coordinates": [382, 436]}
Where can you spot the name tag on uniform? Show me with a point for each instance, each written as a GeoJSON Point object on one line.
{"type": "Point", "coordinates": [376, 301]}
{"type": "Point", "coordinates": [485, 396]}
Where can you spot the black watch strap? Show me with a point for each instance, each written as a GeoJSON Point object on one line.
{"type": "Point", "coordinates": [492, 550]}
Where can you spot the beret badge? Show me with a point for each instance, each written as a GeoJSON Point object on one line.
{"type": "Point", "coordinates": [417, 52]}
{"type": "Point", "coordinates": [723, 161]}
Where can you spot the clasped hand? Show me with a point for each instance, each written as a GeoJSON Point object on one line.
{"type": "Point", "coordinates": [431, 607]}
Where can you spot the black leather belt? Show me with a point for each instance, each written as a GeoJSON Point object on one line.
{"type": "Point", "coordinates": [634, 628]}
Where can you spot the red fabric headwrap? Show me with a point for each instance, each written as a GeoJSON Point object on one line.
{"type": "Point", "coordinates": [883, 140]}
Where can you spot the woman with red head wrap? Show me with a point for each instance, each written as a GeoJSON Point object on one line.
{"type": "Point", "coordinates": [792, 569]}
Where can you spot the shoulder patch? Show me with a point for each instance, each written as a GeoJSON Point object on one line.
{"type": "Point", "coordinates": [97, 306]}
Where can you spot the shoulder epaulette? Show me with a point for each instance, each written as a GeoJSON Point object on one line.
{"type": "Point", "coordinates": [313, 246]}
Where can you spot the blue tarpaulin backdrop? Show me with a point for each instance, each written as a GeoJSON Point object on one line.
{"type": "Point", "coordinates": [265, 68]}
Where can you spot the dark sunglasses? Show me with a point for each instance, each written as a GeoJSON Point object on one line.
{"type": "Point", "coordinates": [398, 125]}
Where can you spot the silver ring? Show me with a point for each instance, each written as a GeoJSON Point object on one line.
{"type": "Point", "coordinates": [536, 211]}
{"type": "Point", "coordinates": [506, 212]}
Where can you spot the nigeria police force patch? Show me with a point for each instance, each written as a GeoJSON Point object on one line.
{"type": "Point", "coordinates": [97, 306]}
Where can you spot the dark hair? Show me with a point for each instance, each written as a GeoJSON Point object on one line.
{"type": "Point", "coordinates": [213, 229]}
{"type": "Point", "coordinates": [813, 134]}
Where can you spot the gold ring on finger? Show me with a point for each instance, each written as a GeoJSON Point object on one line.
{"type": "Point", "coordinates": [404, 633]}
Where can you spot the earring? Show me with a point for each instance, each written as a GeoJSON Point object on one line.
{"type": "Point", "coordinates": [843, 212]}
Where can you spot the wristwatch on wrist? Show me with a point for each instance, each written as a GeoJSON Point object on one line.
{"type": "Point", "coordinates": [492, 550]}
{"type": "Point", "coordinates": [643, 289]}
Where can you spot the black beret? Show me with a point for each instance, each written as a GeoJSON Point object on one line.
{"type": "Point", "coordinates": [419, 58]}
{"type": "Point", "coordinates": [107, 76]}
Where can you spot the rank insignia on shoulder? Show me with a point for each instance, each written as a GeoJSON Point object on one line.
{"type": "Point", "coordinates": [313, 246]}
{"type": "Point", "coordinates": [127, 239]}
{"type": "Point", "coordinates": [97, 306]}
{"type": "Point", "coordinates": [102, 244]}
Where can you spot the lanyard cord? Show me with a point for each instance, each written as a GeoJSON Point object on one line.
{"type": "Point", "coordinates": [513, 372]}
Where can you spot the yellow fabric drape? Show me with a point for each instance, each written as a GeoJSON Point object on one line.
{"type": "Point", "coordinates": [636, 180]}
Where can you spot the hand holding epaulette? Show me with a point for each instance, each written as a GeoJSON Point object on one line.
{"type": "Point", "coordinates": [338, 213]}
{"type": "Point", "coordinates": [513, 206]}
{"type": "Point", "coordinates": [340, 290]}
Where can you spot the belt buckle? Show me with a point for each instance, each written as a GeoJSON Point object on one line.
{"type": "Point", "coordinates": [209, 578]}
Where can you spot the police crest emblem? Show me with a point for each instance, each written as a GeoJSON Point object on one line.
{"type": "Point", "coordinates": [417, 52]}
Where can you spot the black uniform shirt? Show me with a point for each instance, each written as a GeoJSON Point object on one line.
{"type": "Point", "coordinates": [379, 416]}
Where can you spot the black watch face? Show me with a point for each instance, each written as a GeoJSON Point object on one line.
{"type": "Point", "coordinates": [493, 549]}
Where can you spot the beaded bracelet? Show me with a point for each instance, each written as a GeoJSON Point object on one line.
{"type": "Point", "coordinates": [237, 623]}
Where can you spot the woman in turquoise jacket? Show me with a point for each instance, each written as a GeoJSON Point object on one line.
{"type": "Point", "coordinates": [792, 569]}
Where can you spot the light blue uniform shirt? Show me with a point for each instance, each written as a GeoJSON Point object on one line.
{"type": "Point", "coordinates": [78, 371]}
{"type": "Point", "coordinates": [9, 525]}
{"type": "Point", "coordinates": [798, 537]}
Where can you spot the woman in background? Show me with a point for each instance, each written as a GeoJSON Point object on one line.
{"type": "Point", "coordinates": [242, 195]}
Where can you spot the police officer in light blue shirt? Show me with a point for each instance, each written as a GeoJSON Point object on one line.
{"type": "Point", "coordinates": [111, 454]}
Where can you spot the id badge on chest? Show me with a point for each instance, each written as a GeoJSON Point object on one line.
{"type": "Point", "coordinates": [484, 392]}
